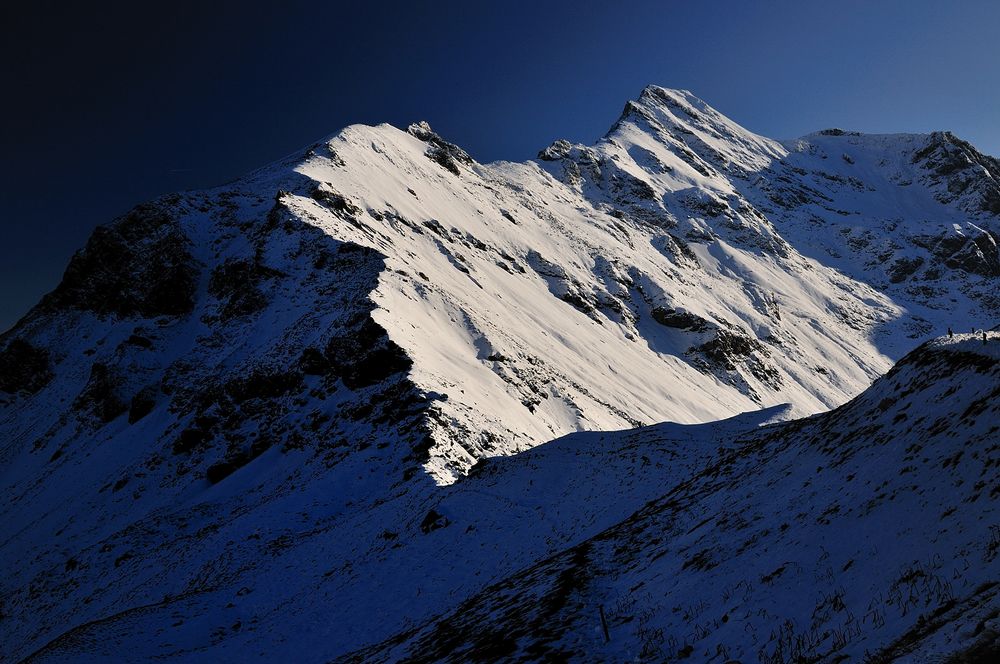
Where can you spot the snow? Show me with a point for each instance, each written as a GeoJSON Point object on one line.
{"type": "Point", "coordinates": [523, 322]}
{"type": "Point", "coordinates": [546, 411]}
{"type": "Point", "coordinates": [797, 540]}
{"type": "Point", "coordinates": [804, 524]}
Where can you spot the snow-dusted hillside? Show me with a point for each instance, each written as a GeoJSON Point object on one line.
{"type": "Point", "coordinates": [868, 533]}
{"type": "Point", "coordinates": [251, 395]}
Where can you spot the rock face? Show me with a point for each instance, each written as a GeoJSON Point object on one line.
{"type": "Point", "coordinates": [23, 368]}
{"type": "Point", "coordinates": [139, 266]}
{"type": "Point", "coordinates": [961, 173]}
{"type": "Point", "coordinates": [439, 150]}
{"type": "Point", "coordinates": [283, 372]}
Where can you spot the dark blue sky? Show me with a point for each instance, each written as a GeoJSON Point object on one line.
{"type": "Point", "coordinates": [108, 105]}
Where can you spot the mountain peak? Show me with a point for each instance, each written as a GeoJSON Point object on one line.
{"type": "Point", "coordinates": [671, 96]}
{"type": "Point", "coordinates": [687, 124]}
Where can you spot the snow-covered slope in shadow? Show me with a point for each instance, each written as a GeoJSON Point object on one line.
{"type": "Point", "coordinates": [867, 533]}
{"type": "Point", "coordinates": [317, 561]}
{"type": "Point", "coordinates": [869, 529]}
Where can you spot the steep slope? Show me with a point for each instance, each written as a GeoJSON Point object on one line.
{"type": "Point", "coordinates": [914, 216]}
{"type": "Point", "coordinates": [273, 375]}
{"type": "Point", "coordinates": [869, 532]}
{"type": "Point", "coordinates": [668, 255]}
{"type": "Point", "coordinates": [567, 274]}
{"type": "Point", "coordinates": [260, 567]}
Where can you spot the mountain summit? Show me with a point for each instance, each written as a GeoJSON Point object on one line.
{"type": "Point", "coordinates": [283, 373]}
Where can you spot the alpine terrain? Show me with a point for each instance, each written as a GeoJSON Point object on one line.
{"type": "Point", "coordinates": [686, 393]}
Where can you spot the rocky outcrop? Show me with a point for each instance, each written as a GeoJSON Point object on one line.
{"type": "Point", "coordinates": [23, 367]}
{"type": "Point", "coordinates": [682, 320]}
{"type": "Point", "coordinates": [732, 352]}
{"type": "Point", "coordinates": [965, 172]}
{"type": "Point", "coordinates": [448, 155]}
{"type": "Point", "coordinates": [559, 149]}
{"type": "Point", "coordinates": [238, 285]}
{"type": "Point", "coordinates": [140, 265]}
{"type": "Point", "coordinates": [362, 354]}
{"type": "Point", "coordinates": [974, 252]}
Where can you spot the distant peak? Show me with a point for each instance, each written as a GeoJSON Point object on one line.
{"type": "Point", "coordinates": [660, 92]}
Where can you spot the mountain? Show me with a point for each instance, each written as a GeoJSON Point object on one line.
{"type": "Point", "coordinates": [258, 417]}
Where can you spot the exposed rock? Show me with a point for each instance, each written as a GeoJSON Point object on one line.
{"type": "Point", "coordinates": [963, 169]}
{"type": "Point", "coordinates": [263, 383]}
{"type": "Point", "coordinates": [726, 347]}
{"type": "Point", "coordinates": [440, 151]}
{"type": "Point", "coordinates": [682, 320]}
{"type": "Point", "coordinates": [191, 439]}
{"type": "Point", "coordinates": [102, 396]}
{"type": "Point", "coordinates": [236, 459]}
{"type": "Point", "coordinates": [433, 521]}
{"type": "Point", "coordinates": [732, 350]}
{"type": "Point", "coordinates": [138, 266]}
{"type": "Point", "coordinates": [903, 268]}
{"type": "Point", "coordinates": [334, 200]}
{"type": "Point", "coordinates": [313, 362]}
{"type": "Point", "coordinates": [706, 204]}
{"type": "Point", "coordinates": [140, 341]}
{"type": "Point", "coordinates": [23, 367]}
{"type": "Point", "coordinates": [142, 404]}
{"type": "Point", "coordinates": [237, 283]}
{"type": "Point", "coordinates": [976, 254]}
{"type": "Point", "coordinates": [364, 355]}
{"type": "Point", "coordinates": [560, 149]}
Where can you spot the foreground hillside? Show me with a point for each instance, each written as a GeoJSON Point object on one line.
{"type": "Point", "coordinates": [869, 531]}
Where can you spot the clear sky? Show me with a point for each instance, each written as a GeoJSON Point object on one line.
{"type": "Point", "coordinates": [108, 105]}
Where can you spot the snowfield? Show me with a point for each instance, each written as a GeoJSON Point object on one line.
{"type": "Point", "coordinates": [378, 402]}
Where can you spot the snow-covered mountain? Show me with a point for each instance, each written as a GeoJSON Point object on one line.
{"type": "Point", "coordinates": [229, 425]}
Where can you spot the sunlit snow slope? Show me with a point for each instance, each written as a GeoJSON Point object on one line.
{"type": "Point", "coordinates": [681, 269]}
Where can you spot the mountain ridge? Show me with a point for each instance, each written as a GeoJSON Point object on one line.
{"type": "Point", "coordinates": [235, 379]}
